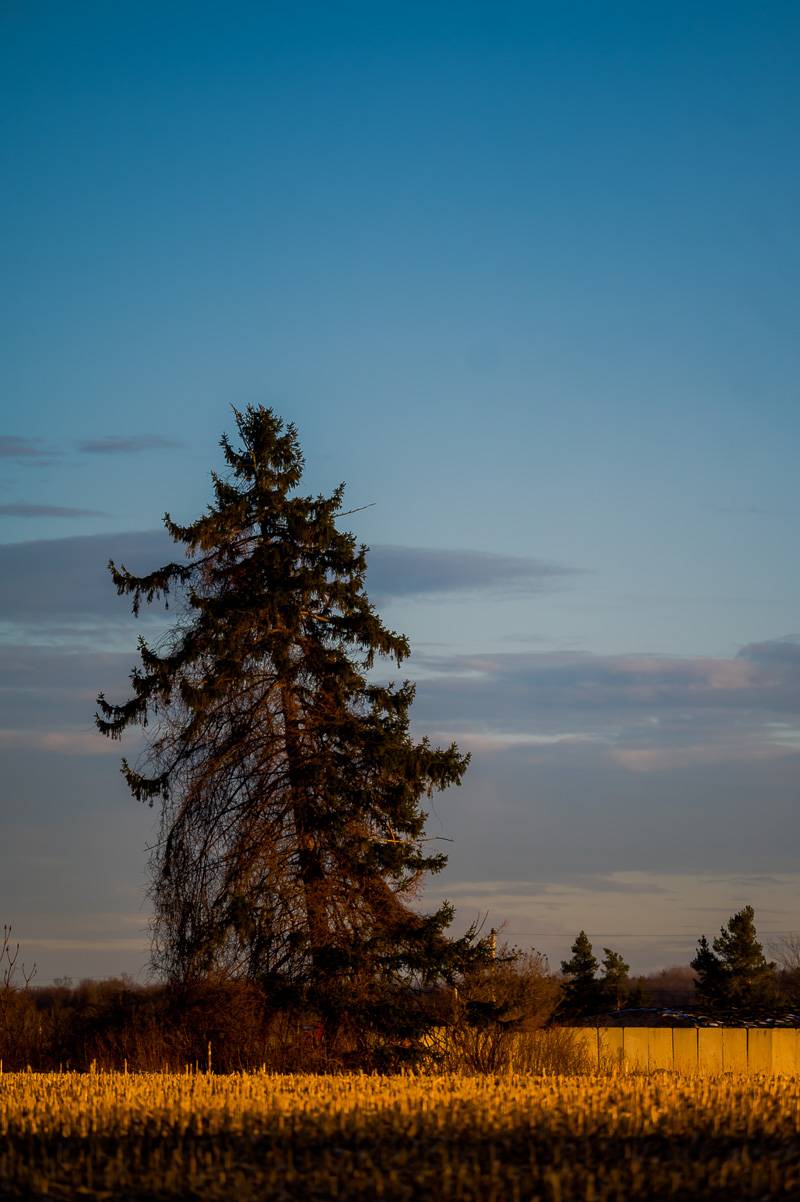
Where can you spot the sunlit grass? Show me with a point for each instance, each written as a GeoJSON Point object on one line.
{"type": "Point", "coordinates": [257, 1135]}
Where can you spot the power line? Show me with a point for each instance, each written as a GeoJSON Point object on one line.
{"type": "Point", "coordinates": [626, 934]}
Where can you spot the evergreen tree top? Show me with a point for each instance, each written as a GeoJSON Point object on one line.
{"type": "Point", "coordinates": [267, 575]}
{"type": "Point", "coordinates": [737, 945]}
{"type": "Point", "coordinates": [583, 962]}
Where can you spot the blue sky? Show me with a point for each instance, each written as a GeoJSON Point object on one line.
{"type": "Point", "coordinates": [525, 277]}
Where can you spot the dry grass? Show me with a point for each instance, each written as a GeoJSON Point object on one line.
{"type": "Point", "coordinates": [248, 1136]}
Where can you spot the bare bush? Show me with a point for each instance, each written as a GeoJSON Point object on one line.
{"type": "Point", "coordinates": [491, 1008]}
{"type": "Point", "coordinates": [540, 1052]}
{"type": "Point", "coordinates": [551, 1050]}
{"type": "Point", "coordinates": [18, 1026]}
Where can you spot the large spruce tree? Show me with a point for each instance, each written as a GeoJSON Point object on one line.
{"type": "Point", "coordinates": [292, 830]}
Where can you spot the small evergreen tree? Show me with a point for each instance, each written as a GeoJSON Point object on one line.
{"type": "Point", "coordinates": [581, 995]}
{"type": "Point", "coordinates": [733, 973]}
{"type": "Point", "coordinates": [710, 982]}
{"type": "Point", "coordinates": [292, 837]}
{"type": "Point", "coordinates": [615, 978]}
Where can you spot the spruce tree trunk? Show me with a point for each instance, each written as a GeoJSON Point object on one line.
{"type": "Point", "coordinates": [312, 873]}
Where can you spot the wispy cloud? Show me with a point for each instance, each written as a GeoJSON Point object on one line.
{"type": "Point", "coordinates": [141, 944]}
{"type": "Point", "coordinates": [65, 580]}
{"type": "Point", "coordinates": [127, 444]}
{"type": "Point", "coordinates": [549, 692]}
{"type": "Point", "coordinates": [667, 759]}
{"type": "Point", "coordinates": [423, 571]}
{"type": "Point", "coordinates": [59, 742]}
{"type": "Point", "coordinates": [643, 737]}
{"type": "Point", "coordinates": [34, 452]}
{"type": "Point", "coordinates": [24, 510]}
{"type": "Point", "coordinates": [26, 451]}
{"type": "Point", "coordinates": [480, 742]}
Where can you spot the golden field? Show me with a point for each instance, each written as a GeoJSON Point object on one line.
{"type": "Point", "coordinates": [256, 1135]}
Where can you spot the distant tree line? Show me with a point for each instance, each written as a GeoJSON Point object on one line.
{"type": "Point", "coordinates": [730, 977]}
{"type": "Point", "coordinates": [233, 1024]}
